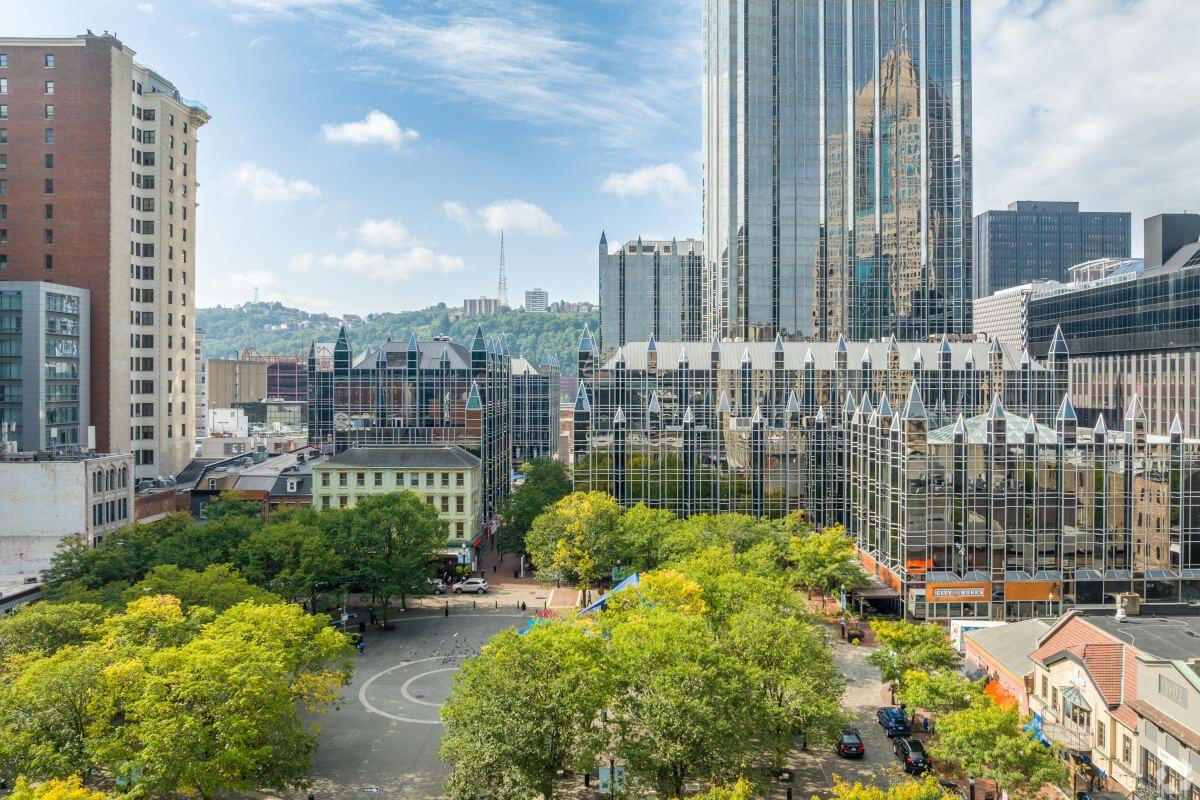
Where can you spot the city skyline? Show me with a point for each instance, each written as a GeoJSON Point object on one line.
{"type": "Point", "coordinates": [615, 147]}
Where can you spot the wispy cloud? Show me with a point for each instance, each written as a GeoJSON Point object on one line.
{"type": "Point", "coordinates": [514, 216]}
{"type": "Point", "coordinates": [1119, 143]}
{"type": "Point", "coordinates": [525, 60]}
{"type": "Point", "coordinates": [386, 268]}
{"type": "Point", "coordinates": [376, 128]}
{"type": "Point", "coordinates": [268, 187]}
{"type": "Point", "coordinates": [668, 181]}
{"type": "Point", "coordinates": [146, 8]}
{"type": "Point", "coordinates": [384, 233]}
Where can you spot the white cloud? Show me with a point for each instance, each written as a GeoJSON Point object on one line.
{"type": "Point", "coordinates": [248, 9]}
{"type": "Point", "coordinates": [146, 8]}
{"type": "Point", "coordinates": [302, 263]}
{"type": "Point", "coordinates": [514, 216]}
{"type": "Point", "coordinates": [267, 186]}
{"type": "Point", "coordinates": [257, 40]}
{"type": "Point", "coordinates": [668, 181]}
{"type": "Point", "coordinates": [376, 128]}
{"type": "Point", "coordinates": [383, 233]}
{"type": "Point", "coordinates": [459, 213]}
{"type": "Point", "coordinates": [385, 268]}
{"type": "Point", "coordinates": [1057, 117]}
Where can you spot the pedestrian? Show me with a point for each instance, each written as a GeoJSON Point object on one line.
{"type": "Point", "coordinates": [361, 647]}
{"type": "Point", "coordinates": [374, 616]}
{"type": "Point", "coordinates": [522, 605]}
{"type": "Point", "coordinates": [843, 624]}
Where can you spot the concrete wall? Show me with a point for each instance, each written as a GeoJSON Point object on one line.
{"type": "Point", "coordinates": [43, 503]}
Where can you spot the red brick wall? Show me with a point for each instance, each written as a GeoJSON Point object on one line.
{"type": "Point", "coordinates": [81, 174]}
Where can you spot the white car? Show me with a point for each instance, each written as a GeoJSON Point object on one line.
{"type": "Point", "coordinates": [437, 585]}
{"type": "Point", "coordinates": [476, 585]}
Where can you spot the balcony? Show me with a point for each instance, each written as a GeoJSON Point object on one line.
{"type": "Point", "coordinates": [1069, 737]}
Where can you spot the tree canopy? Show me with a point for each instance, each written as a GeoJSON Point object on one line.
{"type": "Point", "coordinates": [546, 482]}
{"type": "Point", "coordinates": [907, 646]}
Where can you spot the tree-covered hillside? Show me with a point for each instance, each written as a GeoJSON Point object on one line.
{"type": "Point", "coordinates": [227, 331]}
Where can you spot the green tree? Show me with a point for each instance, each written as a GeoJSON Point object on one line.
{"type": "Point", "coordinates": [938, 692]}
{"type": "Point", "coordinates": [642, 532]}
{"type": "Point", "coordinates": [906, 646]}
{"type": "Point", "coordinates": [217, 587]}
{"type": "Point", "coordinates": [986, 741]}
{"type": "Point", "coordinates": [546, 482]}
{"type": "Point", "coordinates": [223, 712]}
{"type": "Point", "coordinates": [293, 557]}
{"type": "Point", "coordinates": [790, 662]}
{"type": "Point", "coordinates": [684, 706]}
{"type": "Point", "coordinates": [825, 561]}
{"type": "Point", "coordinates": [42, 628]}
{"type": "Point", "coordinates": [47, 713]}
{"type": "Point", "coordinates": [389, 543]}
{"type": "Point", "coordinates": [578, 539]}
{"type": "Point", "coordinates": [739, 790]}
{"type": "Point", "coordinates": [522, 710]}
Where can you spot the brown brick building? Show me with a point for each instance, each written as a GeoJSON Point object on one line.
{"type": "Point", "coordinates": [98, 190]}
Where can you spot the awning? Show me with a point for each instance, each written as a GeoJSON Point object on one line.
{"type": "Point", "coordinates": [632, 580]}
{"type": "Point", "coordinates": [875, 593]}
{"type": "Point", "coordinates": [1073, 696]}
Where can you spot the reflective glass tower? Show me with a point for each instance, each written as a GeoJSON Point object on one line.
{"type": "Point", "coordinates": [837, 168]}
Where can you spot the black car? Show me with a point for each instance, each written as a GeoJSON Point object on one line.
{"type": "Point", "coordinates": [850, 744]}
{"type": "Point", "coordinates": [912, 753]}
{"type": "Point", "coordinates": [893, 720]}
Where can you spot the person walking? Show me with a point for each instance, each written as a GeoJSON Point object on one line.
{"type": "Point", "coordinates": [843, 626]}
{"type": "Point", "coordinates": [361, 647]}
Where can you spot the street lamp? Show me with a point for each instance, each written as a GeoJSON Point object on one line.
{"type": "Point", "coordinates": [971, 783]}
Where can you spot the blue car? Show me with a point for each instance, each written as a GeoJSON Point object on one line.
{"type": "Point", "coordinates": [893, 721]}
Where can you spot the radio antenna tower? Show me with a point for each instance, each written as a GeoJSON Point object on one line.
{"type": "Point", "coordinates": [502, 289]}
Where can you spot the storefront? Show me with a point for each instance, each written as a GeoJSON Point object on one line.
{"type": "Point", "coordinates": [958, 600]}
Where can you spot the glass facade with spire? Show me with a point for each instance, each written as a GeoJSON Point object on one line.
{"type": "Point", "coordinates": [837, 168]}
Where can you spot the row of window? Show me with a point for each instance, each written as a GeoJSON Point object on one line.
{"type": "Point", "coordinates": [48, 86]}
{"type": "Point", "coordinates": [47, 135]}
{"type": "Point", "coordinates": [47, 60]}
{"type": "Point", "coordinates": [110, 512]}
{"type": "Point", "coordinates": [414, 479]}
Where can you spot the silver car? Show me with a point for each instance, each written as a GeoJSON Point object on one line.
{"type": "Point", "coordinates": [476, 585]}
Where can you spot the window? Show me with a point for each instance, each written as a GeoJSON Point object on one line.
{"type": "Point", "coordinates": [49, 87]}
{"type": "Point", "coordinates": [445, 502]}
{"type": "Point", "coordinates": [3, 60]}
{"type": "Point", "coordinates": [291, 484]}
{"type": "Point", "coordinates": [3, 85]}
{"type": "Point", "coordinates": [1054, 698]}
{"type": "Point", "coordinates": [414, 480]}
{"type": "Point", "coordinates": [325, 479]}
{"type": "Point", "coordinates": [445, 479]}
{"type": "Point", "coordinates": [48, 211]}
{"type": "Point", "coordinates": [3, 235]}
{"type": "Point", "coordinates": [1127, 749]}
{"type": "Point", "coordinates": [458, 479]}
{"type": "Point", "coordinates": [1149, 767]}
{"type": "Point", "coordinates": [3, 135]}
{"type": "Point", "coordinates": [4, 191]}
{"type": "Point", "coordinates": [49, 111]}
{"type": "Point", "coordinates": [324, 502]}
{"type": "Point", "coordinates": [3, 160]}
{"type": "Point", "coordinates": [3, 261]}
{"type": "Point", "coordinates": [48, 261]}
{"type": "Point", "coordinates": [360, 479]}
{"type": "Point", "coordinates": [48, 186]}
{"type": "Point", "coordinates": [458, 504]}
{"type": "Point", "coordinates": [48, 135]}
{"type": "Point", "coordinates": [212, 484]}
{"type": "Point", "coordinates": [379, 479]}
{"type": "Point", "coordinates": [3, 111]}
{"type": "Point", "coordinates": [458, 529]}
{"type": "Point", "coordinates": [48, 236]}
{"type": "Point", "coordinates": [48, 160]}
{"type": "Point", "coordinates": [49, 61]}
{"type": "Point", "coordinates": [343, 479]}
{"type": "Point", "coordinates": [429, 479]}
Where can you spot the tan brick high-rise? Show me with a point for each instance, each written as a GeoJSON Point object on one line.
{"type": "Point", "coordinates": [98, 190]}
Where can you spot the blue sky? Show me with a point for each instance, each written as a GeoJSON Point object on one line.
{"type": "Point", "coordinates": [363, 154]}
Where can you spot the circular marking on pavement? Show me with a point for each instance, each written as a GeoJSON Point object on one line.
{"type": "Point", "coordinates": [362, 690]}
{"type": "Point", "coordinates": [404, 688]}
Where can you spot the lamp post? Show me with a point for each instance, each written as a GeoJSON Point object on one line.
{"type": "Point", "coordinates": [971, 783]}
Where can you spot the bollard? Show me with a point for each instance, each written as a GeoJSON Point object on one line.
{"type": "Point", "coordinates": [789, 796]}
{"type": "Point", "coordinates": [497, 605]}
{"type": "Point", "coordinates": [587, 780]}
{"type": "Point", "coordinates": [495, 567]}
{"type": "Point", "coordinates": [473, 604]}
{"type": "Point", "coordinates": [447, 609]}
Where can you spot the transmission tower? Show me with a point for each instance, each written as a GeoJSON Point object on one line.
{"type": "Point", "coordinates": [502, 289]}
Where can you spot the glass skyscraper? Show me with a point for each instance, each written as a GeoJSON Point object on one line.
{"type": "Point", "coordinates": [837, 168]}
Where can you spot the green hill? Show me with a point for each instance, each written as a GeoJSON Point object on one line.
{"type": "Point", "coordinates": [228, 331]}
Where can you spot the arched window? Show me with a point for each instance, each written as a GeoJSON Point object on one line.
{"type": "Point", "coordinates": [124, 477]}
{"type": "Point", "coordinates": [96, 481]}
{"type": "Point", "coordinates": [111, 480]}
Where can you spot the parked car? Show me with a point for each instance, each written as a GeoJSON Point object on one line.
{"type": "Point", "coordinates": [437, 586]}
{"type": "Point", "coordinates": [912, 753]}
{"type": "Point", "coordinates": [476, 585]}
{"type": "Point", "coordinates": [850, 744]}
{"type": "Point", "coordinates": [893, 720]}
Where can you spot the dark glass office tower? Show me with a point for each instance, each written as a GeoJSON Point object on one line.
{"type": "Point", "coordinates": [837, 168]}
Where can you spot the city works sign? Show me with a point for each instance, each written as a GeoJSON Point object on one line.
{"type": "Point", "coordinates": [946, 592]}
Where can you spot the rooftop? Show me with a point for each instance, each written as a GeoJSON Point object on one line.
{"type": "Point", "coordinates": [406, 457]}
{"type": "Point", "coordinates": [1011, 644]}
{"type": "Point", "coordinates": [1173, 638]}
